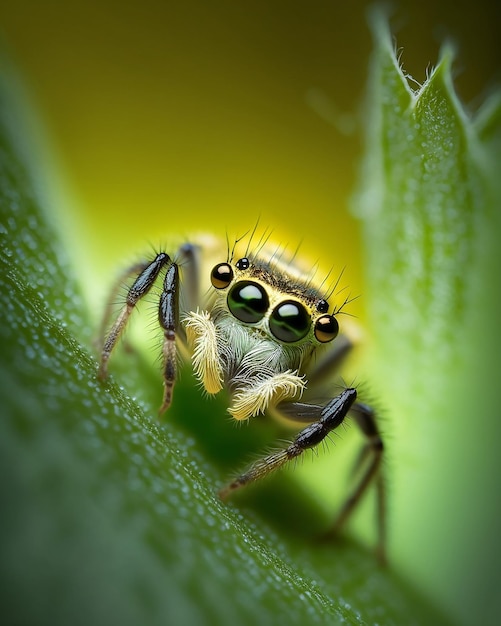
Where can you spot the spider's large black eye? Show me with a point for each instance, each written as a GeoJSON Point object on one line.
{"type": "Point", "coordinates": [221, 275]}
{"type": "Point", "coordinates": [326, 328]}
{"type": "Point", "coordinates": [290, 321]}
{"type": "Point", "coordinates": [248, 301]}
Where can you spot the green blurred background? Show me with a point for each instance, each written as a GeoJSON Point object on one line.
{"type": "Point", "coordinates": [169, 117]}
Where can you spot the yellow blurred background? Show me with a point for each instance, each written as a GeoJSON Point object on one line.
{"type": "Point", "coordinates": [169, 117]}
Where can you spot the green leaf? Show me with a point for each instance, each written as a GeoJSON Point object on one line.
{"type": "Point", "coordinates": [430, 206]}
{"type": "Point", "coordinates": [108, 517]}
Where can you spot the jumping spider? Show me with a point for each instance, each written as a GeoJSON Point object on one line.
{"type": "Point", "coordinates": [259, 324]}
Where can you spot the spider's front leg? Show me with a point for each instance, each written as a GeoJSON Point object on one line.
{"type": "Point", "coordinates": [331, 416]}
{"type": "Point", "coordinates": [372, 452]}
{"type": "Point", "coordinates": [168, 315]}
{"type": "Point", "coordinates": [140, 287]}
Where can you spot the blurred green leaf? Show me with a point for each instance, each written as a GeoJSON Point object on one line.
{"type": "Point", "coordinates": [109, 518]}
{"type": "Point", "coordinates": [430, 204]}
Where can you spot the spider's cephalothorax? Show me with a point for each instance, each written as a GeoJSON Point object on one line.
{"type": "Point", "coordinates": [258, 335]}
{"type": "Point", "coordinates": [253, 330]}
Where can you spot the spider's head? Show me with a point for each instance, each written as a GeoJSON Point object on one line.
{"type": "Point", "coordinates": [274, 300]}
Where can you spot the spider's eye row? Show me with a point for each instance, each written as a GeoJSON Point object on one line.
{"type": "Point", "coordinates": [289, 321]}
{"type": "Point", "coordinates": [221, 275]}
{"type": "Point", "coordinates": [248, 301]}
{"type": "Point", "coordinates": [243, 264]}
{"type": "Point", "coordinates": [326, 328]}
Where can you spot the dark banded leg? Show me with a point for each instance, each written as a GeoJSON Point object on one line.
{"type": "Point", "coordinates": [371, 456]}
{"type": "Point", "coordinates": [168, 313]}
{"type": "Point", "coordinates": [189, 260]}
{"type": "Point", "coordinates": [139, 288]}
{"type": "Point", "coordinates": [331, 416]}
{"type": "Point", "coordinates": [332, 361]}
{"type": "Point", "coordinates": [371, 453]}
{"type": "Point", "coordinates": [133, 270]}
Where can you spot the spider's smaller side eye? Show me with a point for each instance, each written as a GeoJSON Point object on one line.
{"type": "Point", "coordinates": [243, 263]}
{"type": "Point", "coordinates": [322, 306]}
{"type": "Point", "coordinates": [221, 275]}
{"type": "Point", "coordinates": [326, 328]}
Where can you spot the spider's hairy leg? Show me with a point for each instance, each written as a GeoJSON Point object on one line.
{"type": "Point", "coordinates": [138, 290]}
{"type": "Point", "coordinates": [168, 314]}
{"type": "Point", "coordinates": [132, 270]}
{"type": "Point", "coordinates": [331, 417]}
{"type": "Point", "coordinates": [366, 420]}
{"type": "Point", "coordinates": [332, 361]}
{"type": "Point", "coordinates": [188, 258]}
